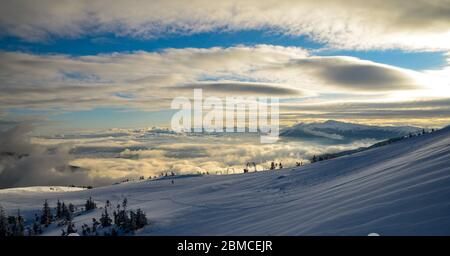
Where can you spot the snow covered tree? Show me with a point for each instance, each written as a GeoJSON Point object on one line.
{"type": "Point", "coordinates": [90, 205]}
{"type": "Point", "coordinates": [105, 220]}
{"type": "Point", "coordinates": [58, 210]}
{"type": "Point", "coordinates": [71, 209]}
{"type": "Point", "coordinates": [131, 225]}
{"type": "Point", "coordinates": [36, 228]}
{"type": "Point", "coordinates": [124, 220]}
{"type": "Point", "coordinates": [46, 217]}
{"type": "Point", "coordinates": [67, 212]}
{"type": "Point", "coordinates": [18, 227]}
{"type": "Point", "coordinates": [95, 225]}
{"type": "Point", "coordinates": [70, 228]}
{"type": "Point", "coordinates": [141, 219]}
{"type": "Point", "coordinates": [64, 211]}
{"type": "Point", "coordinates": [272, 166]}
{"type": "Point", "coordinates": [86, 230]}
{"type": "Point", "coordinates": [121, 218]}
{"type": "Point", "coordinates": [3, 222]}
{"type": "Point", "coordinates": [124, 203]}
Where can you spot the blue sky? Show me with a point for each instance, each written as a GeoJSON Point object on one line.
{"type": "Point", "coordinates": [108, 43]}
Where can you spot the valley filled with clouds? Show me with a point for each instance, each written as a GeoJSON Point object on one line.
{"type": "Point", "coordinates": [103, 158]}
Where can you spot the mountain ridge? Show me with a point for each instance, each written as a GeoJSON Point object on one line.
{"type": "Point", "coordinates": [346, 132]}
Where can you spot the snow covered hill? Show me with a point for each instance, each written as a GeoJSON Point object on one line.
{"type": "Point", "coordinates": [398, 189]}
{"type": "Point", "coordinates": [346, 132]}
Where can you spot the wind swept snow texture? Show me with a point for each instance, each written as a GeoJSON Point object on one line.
{"type": "Point", "coordinates": [399, 189]}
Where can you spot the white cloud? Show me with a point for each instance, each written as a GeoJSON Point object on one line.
{"type": "Point", "coordinates": [184, 154]}
{"type": "Point", "coordinates": [349, 24]}
{"type": "Point", "coordinates": [150, 80]}
{"type": "Point", "coordinates": [23, 163]}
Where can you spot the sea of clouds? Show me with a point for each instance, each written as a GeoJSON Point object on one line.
{"type": "Point", "coordinates": [102, 158]}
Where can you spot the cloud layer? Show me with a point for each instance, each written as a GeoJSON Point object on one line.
{"type": "Point", "coordinates": [23, 163]}
{"type": "Point", "coordinates": [150, 80]}
{"type": "Point", "coordinates": [135, 152]}
{"type": "Point", "coordinates": [349, 24]}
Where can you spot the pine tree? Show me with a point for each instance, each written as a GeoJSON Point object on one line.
{"type": "Point", "coordinates": [272, 166]}
{"type": "Point", "coordinates": [132, 223]}
{"type": "Point", "coordinates": [36, 228]}
{"type": "Point", "coordinates": [19, 225]}
{"type": "Point", "coordinates": [105, 220]}
{"type": "Point", "coordinates": [58, 210]}
{"type": "Point", "coordinates": [124, 203]}
{"type": "Point", "coordinates": [95, 224]}
{"type": "Point", "coordinates": [3, 222]}
{"type": "Point", "coordinates": [71, 209]}
{"type": "Point", "coordinates": [141, 218]}
{"type": "Point", "coordinates": [46, 217]}
{"type": "Point", "coordinates": [90, 205]}
{"type": "Point", "coordinates": [64, 212]}
{"type": "Point", "coordinates": [115, 217]}
{"type": "Point", "coordinates": [123, 219]}
{"type": "Point", "coordinates": [67, 212]}
{"type": "Point", "coordinates": [70, 228]}
{"type": "Point", "coordinates": [84, 230]}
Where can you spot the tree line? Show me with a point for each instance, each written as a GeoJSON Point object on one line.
{"type": "Point", "coordinates": [122, 221]}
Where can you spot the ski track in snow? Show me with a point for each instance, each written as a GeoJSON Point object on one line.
{"type": "Point", "coordinates": [398, 189]}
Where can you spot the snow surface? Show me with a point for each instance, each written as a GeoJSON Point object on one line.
{"type": "Point", "coordinates": [399, 189]}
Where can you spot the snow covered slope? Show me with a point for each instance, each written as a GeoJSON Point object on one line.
{"type": "Point", "coordinates": [399, 189]}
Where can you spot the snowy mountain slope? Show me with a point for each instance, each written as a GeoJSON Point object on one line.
{"type": "Point", "coordinates": [340, 131]}
{"type": "Point", "coordinates": [399, 189]}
